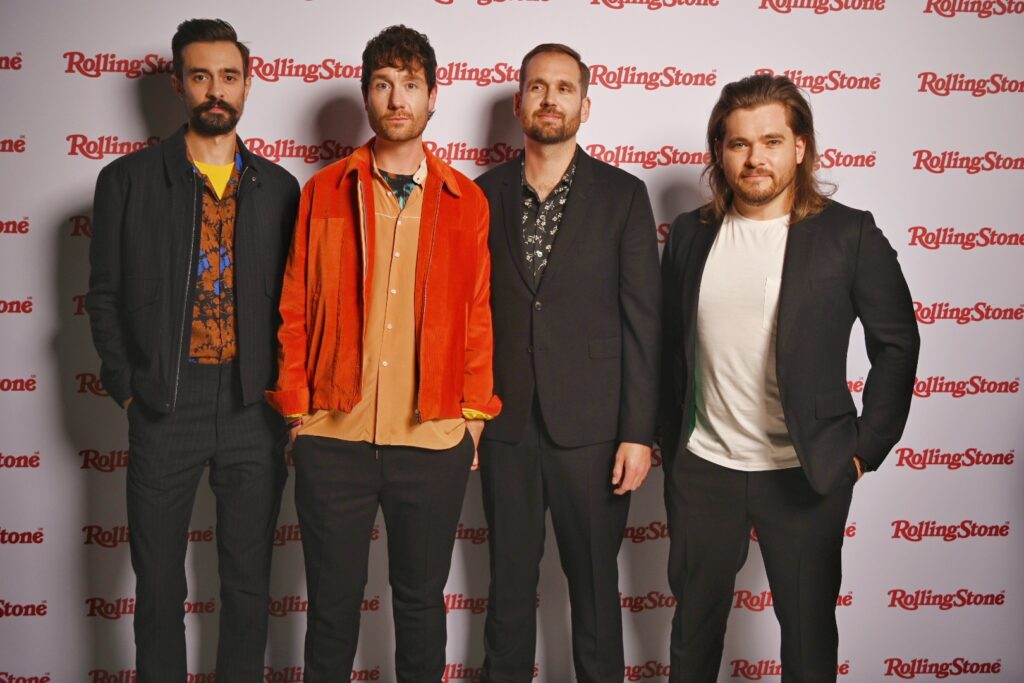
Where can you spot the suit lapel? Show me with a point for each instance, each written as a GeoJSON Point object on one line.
{"type": "Point", "coordinates": [575, 218]}
{"type": "Point", "coordinates": [511, 205]}
{"type": "Point", "coordinates": [799, 250]}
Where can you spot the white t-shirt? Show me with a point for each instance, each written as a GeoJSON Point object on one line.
{"type": "Point", "coordinates": [739, 420]}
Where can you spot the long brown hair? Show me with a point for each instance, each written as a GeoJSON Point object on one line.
{"type": "Point", "coordinates": [810, 194]}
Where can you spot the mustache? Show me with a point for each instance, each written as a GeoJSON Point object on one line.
{"type": "Point", "coordinates": [210, 104]}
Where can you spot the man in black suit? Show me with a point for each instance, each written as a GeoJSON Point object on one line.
{"type": "Point", "coordinates": [762, 286]}
{"type": "Point", "coordinates": [575, 297]}
{"type": "Point", "coordinates": [188, 249]}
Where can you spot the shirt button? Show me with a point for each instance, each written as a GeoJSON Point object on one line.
{"type": "Point", "coordinates": [537, 305]}
{"type": "Point", "coordinates": [397, 254]}
{"type": "Point", "coordinates": [390, 326]}
{"type": "Point", "coordinates": [394, 291]}
{"type": "Point", "coordinates": [384, 363]}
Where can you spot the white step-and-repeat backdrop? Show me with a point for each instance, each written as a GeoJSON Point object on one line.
{"type": "Point", "coordinates": [919, 106]}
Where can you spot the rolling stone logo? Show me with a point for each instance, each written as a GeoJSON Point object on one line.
{"type": "Point", "coordinates": [484, 3]}
{"type": "Point", "coordinates": [654, 4]}
{"type": "Point", "coordinates": [759, 602]}
{"type": "Point", "coordinates": [131, 676]}
{"type": "Point", "coordinates": [288, 148]}
{"type": "Point", "coordinates": [89, 383]}
{"type": "Point", "coordinates": [983, 9]}
{"type": "Point", "coordinates": [81, 226]}
{"type": "Point", "coordinates": [294, 604]}
{"type": "Point", "coordinates": [823, 6]}
{"type": "Point", "coordinates": [471, 534]}
{"type": "Point", "coordinates": [15, 305]}
{"type": "Point", "coordinates": [651, 669]}
{"type": "Point", "coordinates": [915, 532]}
{"type": "Point", "coordinates": [943, 86]}
{"type": "Point", "coordinates": [669, 155]}
{"type": "Point", "coordinates": [329, 69]}
{"type": "Point", "coordinates": [18, 384]}
{"type": "Point", "coordinates": [929, 314]}
{"type": "Point", "coordinates": [287, 533]}
{"type": "Point", "coordinates": [458, 602]}
{"type": "Point", "coordinates": [935, 457]}
{"type": "Point", "coordinates": [769, 668]}
{"type": "Point", "coordinates": [8, 677]}
{"type": "Point", "coordinates": [849, 532]}
{"type": "Point", "coordinates": [78, 307]}
{"type": "Point", "coordinates": [833, 81]}
{"type": "Point", "coordinates": [118, 535]}
{"type": "Point", "coordinates": [17, 609]}
{"type": "Point", "coordinates": [913, 600]}
{"type": "Point", "coordinates": [14, 461]}
{"type": "Point", "coordinates": [105, 145]}
{"type": "Point", "coordinates": [107, 462]}
{"type": "Point", "coordinates": [295, 674]}
{"type": "Point", "coordinates": [122, 607]}
{"type": "Point", "coordinates": [456, 671]}
{"type": "Point", "coordinates": [480, 156]}
{"type": "Point", "coordinates": [650, 601]}
{"type": "Point", "coordinates": [109, 63]}
{"type": "Point", "coordinates": [615, 77]}
{"type": "Point", "coordinates": [835, 158]}
{"type": "Point", "coordinates": [655, 531]}
{"type": "Point", "coordinates": [920, 236]}
{"type": "Point", "coordinates": [959, 388]}
{"type": "Point", "coordinates": [16, 145]}
{"type": "Point", "coordinates": [11, 63]}
{"type": "Point", "coordinates": [8, 537]}
{"type": "Point", "coordinates": [952, 160]}
{"type": "Point", "coordinates": [15, 227]}
{"type": "Point", "coordinates": [961, 666]}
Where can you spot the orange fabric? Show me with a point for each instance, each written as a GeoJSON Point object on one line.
{"type": "Point", "coordinates": [328, 277]}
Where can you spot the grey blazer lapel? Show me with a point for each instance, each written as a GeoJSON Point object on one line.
{"type": "Point", "coordinates": [511, 204]}
{"type": "Point", "coordinates": [575, 219]}
{"type": "Point", "coordinates": [799, 250]}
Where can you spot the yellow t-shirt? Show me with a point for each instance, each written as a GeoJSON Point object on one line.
{"type": "Point", "coordinates": [218, 175]}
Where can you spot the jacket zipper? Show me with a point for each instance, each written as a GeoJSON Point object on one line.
{"type": "Point", "coordinates": [426, 272]}
{"type": "Point", "coordinates": [184, 306]}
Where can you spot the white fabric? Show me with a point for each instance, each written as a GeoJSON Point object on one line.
{"type": "Point", "coordinates": [739, 423]}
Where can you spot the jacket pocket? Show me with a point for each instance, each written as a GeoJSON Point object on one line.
{"type": "Point", "coordinates": [833, 404]}
{"type": "Point", "coordinates": [140, 292]}
{"type": "Point", "coordinates": [604, 347]}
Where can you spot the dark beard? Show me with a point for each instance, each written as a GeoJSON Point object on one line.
{"type": "Point", "coordinates": [213, 124]}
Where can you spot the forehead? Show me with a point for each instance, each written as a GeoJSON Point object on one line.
{"type": "Point", "coordinates": [390, 72]}
{"type": "Point", "coordinates": [552, 66]}
{"type": "Point", "coordinates": [757, 121]}
{"type": "Point", "coordinates": [218, 54]}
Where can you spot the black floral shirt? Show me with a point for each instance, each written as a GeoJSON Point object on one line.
{"type": "Point", "coordinates": [541, 220]}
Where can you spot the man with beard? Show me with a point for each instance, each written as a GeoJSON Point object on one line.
{"type": "Point", "coordinates": [188, 249]}
{"type": "Point", "coordinates": [385, 368]}
{"type": "Point", "coordinates": [762, 286]}
{"type": "Point", "coordinates": [576, 298]}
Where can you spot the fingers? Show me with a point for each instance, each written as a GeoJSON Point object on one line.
{"type": "Point", "coordinates": [632, 465]}
{"type": "Point", "coordinates": [476, 461]}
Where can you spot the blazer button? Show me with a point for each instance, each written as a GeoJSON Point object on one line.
{"type": "Point", "coordinates": [529, 349]}
{"type": "Point", "coordinates": [537, 306]}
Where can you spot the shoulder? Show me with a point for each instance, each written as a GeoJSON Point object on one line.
{"type": "Point", "coordinates": [493, 179]}
{"type": "Point", "coordinates": [275, 173]}
{"type": "Point", "coordinates": [610, 176]}
{"type": "Point", "coordinates": [149, 159]}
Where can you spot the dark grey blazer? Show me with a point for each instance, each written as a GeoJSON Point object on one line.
{"type": "Point", "coordinates": [586, 340]}
{"type": "Point", "coordinates": [838, 267]}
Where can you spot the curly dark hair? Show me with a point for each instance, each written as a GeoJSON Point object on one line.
{"type": "Point", "coordinates": [205, 31]}
{"type": "Point", "coordinates": [399, 47]}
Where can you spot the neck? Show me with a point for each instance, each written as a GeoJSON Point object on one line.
{"type": "Point", "coordinates": [546, 163]}
{"type": "Point", "coordinates": [217, 150]}
{"type": "Point", "coordinates": [402, 158]}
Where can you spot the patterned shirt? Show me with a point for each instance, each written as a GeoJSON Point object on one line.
{"type": "Point", "coordinates": [213, 315]}
{"type": "Point", "coordinates": [541, 220]}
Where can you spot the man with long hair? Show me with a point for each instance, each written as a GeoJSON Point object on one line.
{"type": "Point", "coordinates": [385, 366]}
{"type": "Point", "coordinates": [185, 333]}
{"type": "Point", "coordinates": [762, 286]}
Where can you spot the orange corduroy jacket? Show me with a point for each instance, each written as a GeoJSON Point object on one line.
{"type": "Point", "coordinates": [325, 294]}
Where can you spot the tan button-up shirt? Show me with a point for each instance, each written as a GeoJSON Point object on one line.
{"type": "Point", "coordinates": [386, 415]}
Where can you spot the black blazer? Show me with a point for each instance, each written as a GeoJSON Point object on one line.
{"type": "Point", "coordinates": [838, 267]}
{"type": "Point", "coordinates": [586, 340]}
{"type": "Point", "coordinates": [147, 219]}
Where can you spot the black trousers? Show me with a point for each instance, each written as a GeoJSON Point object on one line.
{"type": "Point", "coordinates": [710, 512]}
{"type": "Point", "coordinates": [520, 482]}
{"type": "Point", "coordinates": [243, 447]}
{"type": "Point", "coordinates": [338, 487]}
